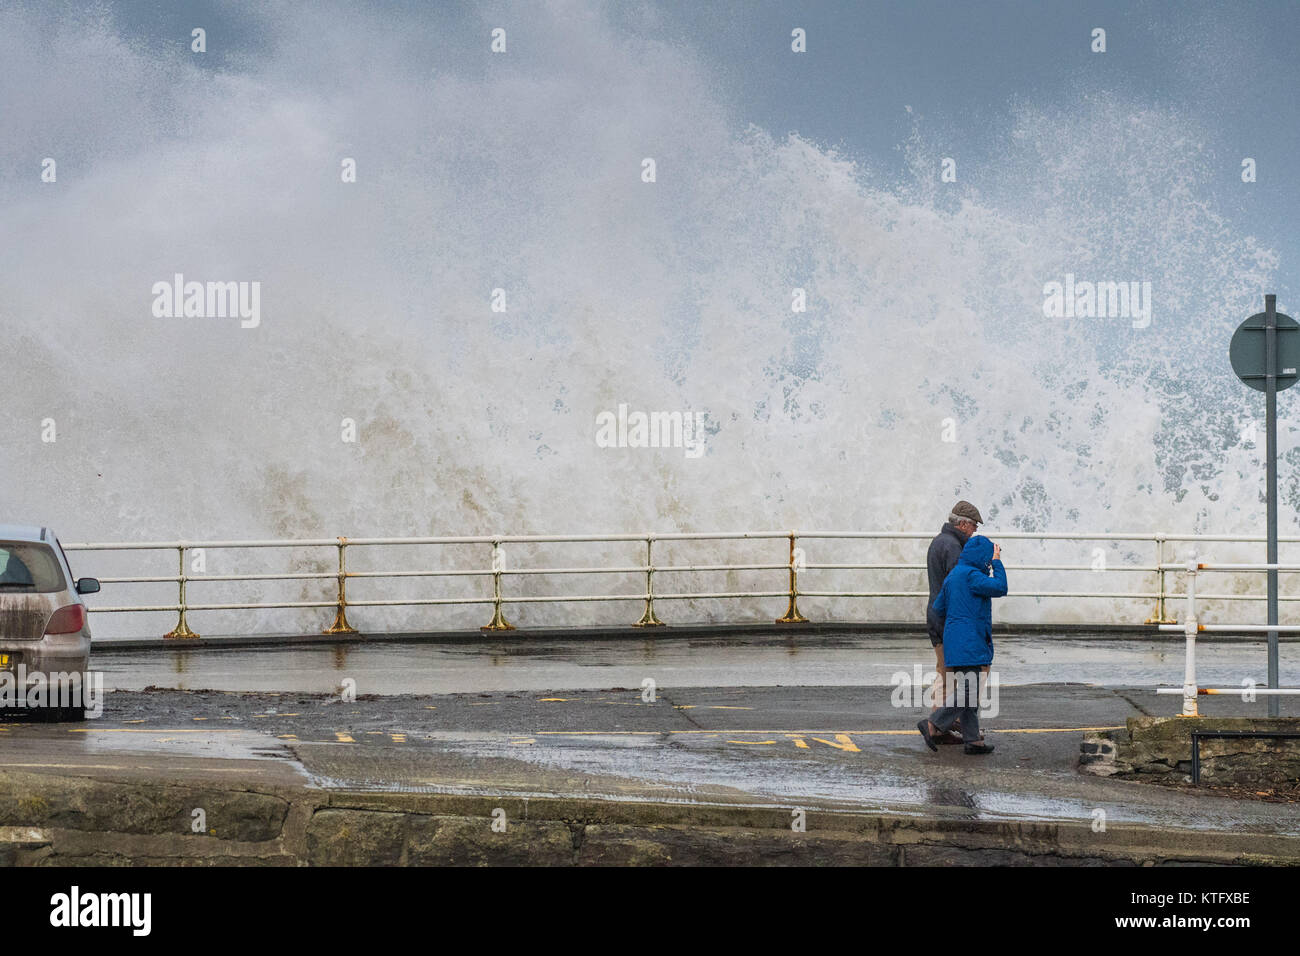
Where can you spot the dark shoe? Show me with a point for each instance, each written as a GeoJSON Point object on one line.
{"type": "Point", "coordinates": [951, 737]}
{"type": "Point", "coordinates": [924, 727]}
{"type": "Point", "coordinates": [978, 748]}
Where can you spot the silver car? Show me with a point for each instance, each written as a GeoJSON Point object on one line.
{"type": "Point", "coordinates": [44, 627]}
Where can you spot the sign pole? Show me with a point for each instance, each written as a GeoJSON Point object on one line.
{"type": "Point", "coordinates": [1270, 424]}
{"type": "Point", "coordinates": [1271, 369]}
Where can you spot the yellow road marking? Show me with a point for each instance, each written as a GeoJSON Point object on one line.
{"type": "Point", "coordinates": [1054, 730]}
{"type": "Point", "coordinates": [751, 741]}
{"type": "Point", "coordinates": [614, 733]}
{"type": "Point", "coordinates": [343, 738]}
{"type": "Point", "coordinates": [398, 738]}
{"type": "Point", "coordinates": [808, 733]}
{"type": "Point", "coordinates": [517, 743]}
{"type": "Point", "coordinates": [152, 730]}
{"type": "Point", "coordinates": [86, 766]}
{"type": "Point", "coordinates": [118, 766]}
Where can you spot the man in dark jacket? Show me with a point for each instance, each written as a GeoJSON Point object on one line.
{"type": "Point", "coordinates": [966, 606]}
{"type": "Point", "coordinates": [940, 560]}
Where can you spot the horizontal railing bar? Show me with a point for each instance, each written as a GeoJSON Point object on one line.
{"type": "Point", "coordinates": [846, 594]}
{"type": "Point", "coordinates": [664, 536]}
{"type": "Point", "coordinates": [683, 568]}
{"type": "Point", "coordinates": [625, 570]}
{"type": "Point", "coordinates": [448, 573]}
{"type": "Point", "coordinates": [173, 579]}
{"type": "Point", "coordinates": [190, 545]}
{"type": "Point", "coordinates": [1235, 597]}
{"type": "Point", "coordinates": [1251, 538]}
{"type": "Point", "coordinates": [417, 601]}
{"type": "Point", "coordinates": [300, 576]}
{"type": "Point", "coordinates": [1019, 535]}
{"type": "Point", "coordinates": [635, 569]}
{"type": "Point", "coordinates": [1251, 628]}
{"type": "Point", "coordinates": [1232, 567]}
{"type": "Point", "coordinates": [1148, 569]}
{"type": "Point", "coordinates": [718, 594]}
{"type": "Point", "coordinates": [1136, 595]}
{"type": "Point", "coordinates": [1235, 691]}
{"type": "Point", "coordinates": [250, 606]}
{"type": "Point", "coordinates": [130, 610]}
{"type": "Point", "coordinates": [630, 569]}
{"type": "Point", "coordinates": [459, 539]}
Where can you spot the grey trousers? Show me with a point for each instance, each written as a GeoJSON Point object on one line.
{"type": "Point", "coordinates": [961, 699]}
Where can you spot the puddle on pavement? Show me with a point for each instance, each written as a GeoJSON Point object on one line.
{"type": "Point", "coordinates": [212, 744]}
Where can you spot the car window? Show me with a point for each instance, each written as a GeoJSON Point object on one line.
{"type": "Point", "coordinates": [66, 563]}
{"type": "Point", "coordinates": [26, 566]}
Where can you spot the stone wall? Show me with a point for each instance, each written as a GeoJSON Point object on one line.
{"type": "Point", "coordinates": [1160, 749]}
{"type": "Point", "coordinates": [60, 820]}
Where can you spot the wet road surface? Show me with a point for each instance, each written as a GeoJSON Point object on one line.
{"type": "Point", "coordinates": [831, 747]}
{"type": "Point", "coordinates": [512, 664]}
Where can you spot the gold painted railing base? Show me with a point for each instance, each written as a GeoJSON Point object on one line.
{"type": "Point", "coordinates": [648, 619]}
{"type": "Point", "coordinates": [181, 632]}
{"type": "Point", "coordinates": [792, 615]}
{"type": "Point", "coordinates": [498, 623]}
{"type": "Point", "coordinates": [340, 625]}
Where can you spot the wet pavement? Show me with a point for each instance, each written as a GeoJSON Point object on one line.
{"type": "Point", "coordinates": [510, 663]}
{"type": "Point", "coordinates": [827, 747]}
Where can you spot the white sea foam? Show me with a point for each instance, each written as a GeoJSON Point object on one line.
{"type": "Point", "coordinates": [523, 173]}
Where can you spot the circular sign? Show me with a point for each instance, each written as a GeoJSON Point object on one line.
{"type": "Point", "coordinates": [1246, 351]}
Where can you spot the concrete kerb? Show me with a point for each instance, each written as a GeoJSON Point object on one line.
{"type": "Point", "coordinates": [909, 630]}
{"type": "Point", "coordinates": [53, 819]}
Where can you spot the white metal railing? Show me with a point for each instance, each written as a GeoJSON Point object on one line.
{"type": "Point", "coordinates": [1191, 626]}
{"type": "Point", "coordinates": [791, 564]}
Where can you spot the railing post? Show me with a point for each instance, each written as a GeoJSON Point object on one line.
{"type": "Point", "coordinates": [341, 625]}
{"type": "Point", "coordinates": [1189, 629]}
{"type": "Point", "coordinates": [648, 619]}
{"type": "Point", "coordinates": [498, 622]}
{"type": "Point", "coordinates": [792, 615]}
{"type": "Point", "coordinates": [1160, 601]}
{"type": "Point", "coordinates": [1161, 595]}
{"type": "Point", "coordinates": [182, 630]}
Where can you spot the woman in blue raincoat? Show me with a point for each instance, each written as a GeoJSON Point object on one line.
{"type": "Point", "coordinates": [965, 604]}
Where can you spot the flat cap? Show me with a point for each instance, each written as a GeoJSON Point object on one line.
{"type": "Point", "coordinates": [964, 509]}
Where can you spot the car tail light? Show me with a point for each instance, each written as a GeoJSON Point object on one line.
{"type": "Point", "coordinates": [67, 620]}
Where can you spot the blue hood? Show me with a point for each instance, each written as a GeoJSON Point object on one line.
{"type": "Point", "coordinates": [978, 552]}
